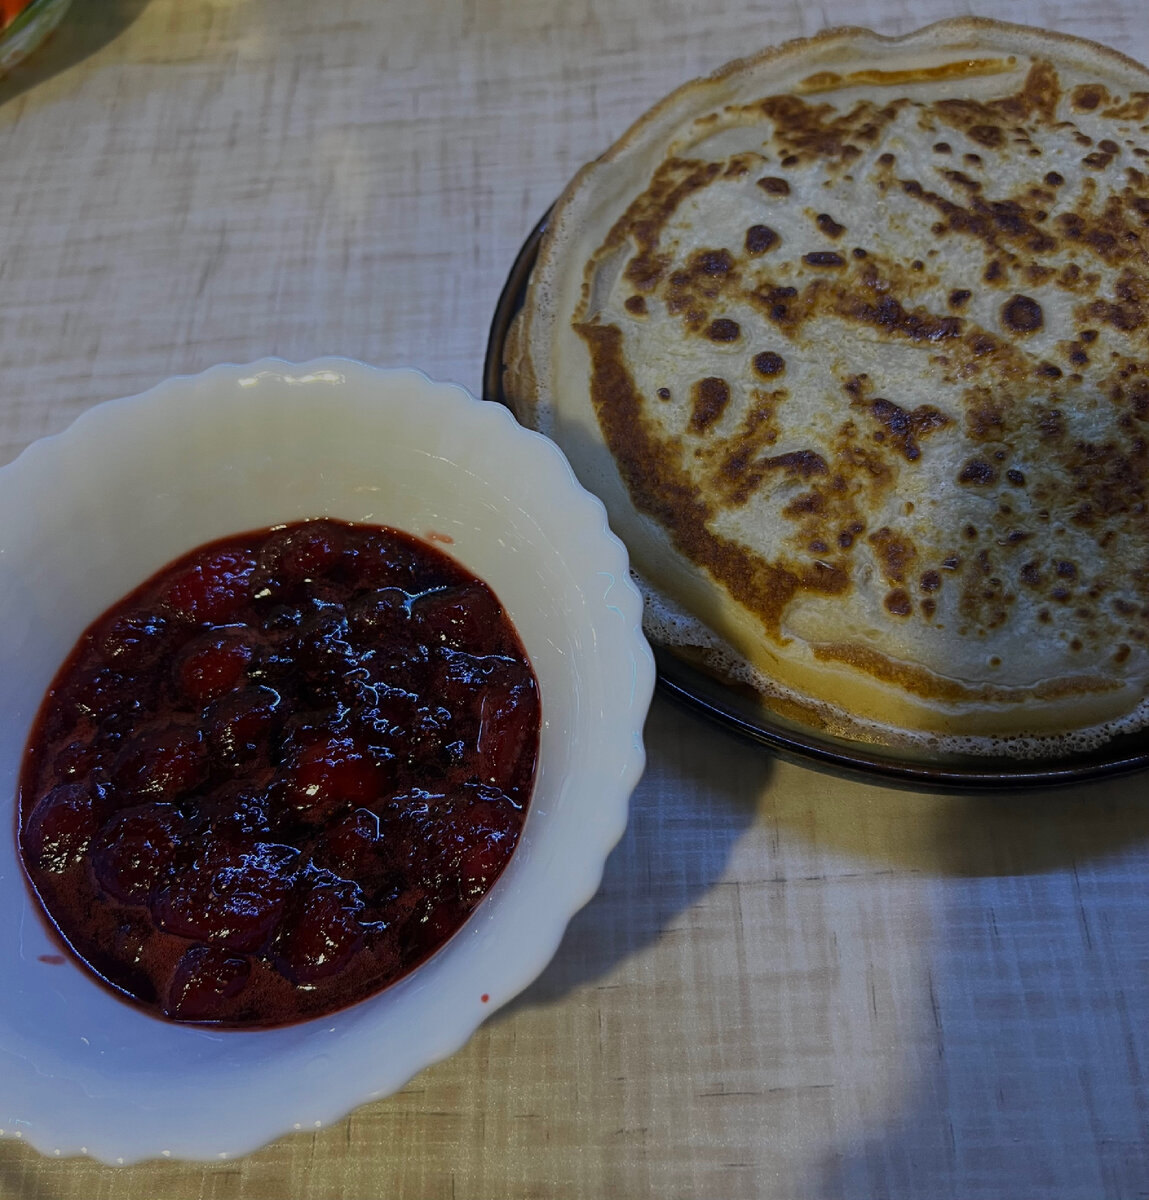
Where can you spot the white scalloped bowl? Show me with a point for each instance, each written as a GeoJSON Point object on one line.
{"type": "Point", "coordinates": [132, 484]}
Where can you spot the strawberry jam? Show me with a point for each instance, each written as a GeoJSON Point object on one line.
{"type": "Point", "coordinates": [279, 774]}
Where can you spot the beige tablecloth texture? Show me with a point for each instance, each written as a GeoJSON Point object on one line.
{"type": "Point", "coordinates": [790, 985]}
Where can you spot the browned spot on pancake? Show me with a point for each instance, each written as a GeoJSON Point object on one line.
{"type": "Point", "coordinates": [846, 536]}
{"type": "Point", "coordinates": [823, 258]}
{"type": "Point", "coordinates": [723, 330]}
{"type": "Point", "coordinates": [824, 578]}
{"type": "Point", "coordinates": [930, 581]}
{"type": "Point", "coordinates": [1136, 108]}
{"type": "Point", "coordinates": [709, 398]}
{"type": "Point", "coordinates": [1050, 424]}
{"type": "Point", "coordinates": [977, 473]}
{"type": "Point", "coordinates": [898, 603]}
{"type": "Point", "coordinates": [886, 313]}
{"type": "Point", "coordinates": [858, 386]}
{"type": "Point", "coordinates": [799, 463]}
{"type": "Point", "coordinates": [1030, 574]}
{"type": "Point", "coordinates": [636, 305]}
{"type": "Point", "coordinates": [778, 305]}
{"type": "Point", "coordinates": [768, 364]}
{"type": "Point", "coordinates": [711, 262]}
{"type": "Point", "coordinates": [1054, 178]}
{"type": "Point", "coordinates": [1022, 314]}
{"type": "Point", "coordinates": [984, 415]}
{"type": "Point", "coordinates": [664, 494]}
{"type": "Point", "coordinates": [1128, 311]}
{"type": "Point", "coordinates": [1110, 232]}
{"type": "Point", "coordinates": [981, 343]}
{"type": "Point", "coordinates": [739, 456]}
{"type": "Point", "coordinates": [774, 185]}
{"type": "Point", "coordinates": [807, 132]}
{"type": "Point", "coordinates": [1087, 96]}
{"type": "Point", "coordinates": [988, 122]}
{"type": "Point", "coordinates": [691, 290]}
{"type": "Point", "coordinates": [904, 427]}
{"type": "Point", "coordinates": [1039, 95]}
{"type": "Point", "coordinates": [997, 223]}
{"type": "Point", "coordinates": [896, 554]}
{"type": "Point", "coordinates": [664, 393]}
{"type": "Point", "coordinates": [829, 226]}
{"type": "Point", "coordinates": [993, 272]}
{"type": "Point", "coordinates": [1108, 481]}
{"type": "Point", "coordinates": [959, 296]}
{"type": "Point", "coordinates": [1015, 537]}
{"type": "Point", "coordinates": [760, 238]}
{"type": "Point", "coordinates": [673, 181]}
{"type": "Point", "coordinates": [739, 165]}
{"type": "Point", "coordinates": [943, 147]}
{"type": "Point", "coordinates": [987, 135]}
{"type": "Point", "coordinates": [804, 505]}
{"type": "Point", "coordinates": [645, 270]}
{"type": "Point", "coordinates": [916, 680]}
{"type": "Point", "coordinates": [1016, 477]}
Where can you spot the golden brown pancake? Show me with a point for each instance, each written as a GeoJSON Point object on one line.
{"type": "Point", "coordinates": [852, 338]}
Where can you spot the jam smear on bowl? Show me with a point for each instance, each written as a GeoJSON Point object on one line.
{"type": "Point", "coordinates": [280, 773]}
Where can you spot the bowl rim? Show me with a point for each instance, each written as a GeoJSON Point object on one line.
{"type": "Point", "coordinates": [613, 614]}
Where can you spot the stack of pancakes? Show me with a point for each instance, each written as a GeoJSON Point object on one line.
{"type": "Point", "coordinates": [852, 338]}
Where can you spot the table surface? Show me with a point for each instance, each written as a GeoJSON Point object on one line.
{"type": "Point", "coordinates": [789, 984]}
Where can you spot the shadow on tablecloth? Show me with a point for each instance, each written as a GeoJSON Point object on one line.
{"type": "Point", "coordinates": [1027, 1072]}
{"type": "Point", "coordinates": [698, 797]}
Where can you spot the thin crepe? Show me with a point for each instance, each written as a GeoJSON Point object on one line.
{"type": "Point", "coordinates": [852, 338]}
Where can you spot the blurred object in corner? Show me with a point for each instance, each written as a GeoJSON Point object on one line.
{"type": "Point", "coordinates": [24, 24]}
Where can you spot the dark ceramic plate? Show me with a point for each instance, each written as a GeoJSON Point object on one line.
{"type": "Point", "coordinates": [740, 712]}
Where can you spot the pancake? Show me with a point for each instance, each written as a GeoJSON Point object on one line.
{"type": "Point", "coordinates": [852, 338]}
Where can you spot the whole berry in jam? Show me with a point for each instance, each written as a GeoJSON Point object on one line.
{"type": "Point", "coordinates": [280, 773]}
{"type": "Point", "coordinates": [161, 762]}
{"type": "Point", "coordinates": [213, 588]}
{"type": "Point", "coordinates": [205, 978]}
{"type": "Point", "coordinates": [229, 893]}
{"type": "Point", "coordinates": [333, 774]}
{"type": "Point", "coordinates": [57, 831]}
{"type": "Point", "coordinates": [323, 932]}
{"type": "Point", "coordinates": [134, 850]}
{"type": "Point", "coordinates": [212, 665]}
{"type": "Point", "coordinates": [241, 724]}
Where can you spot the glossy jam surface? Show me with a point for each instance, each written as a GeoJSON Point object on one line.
{"type": "Point", "coordinates": [280, 773]}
